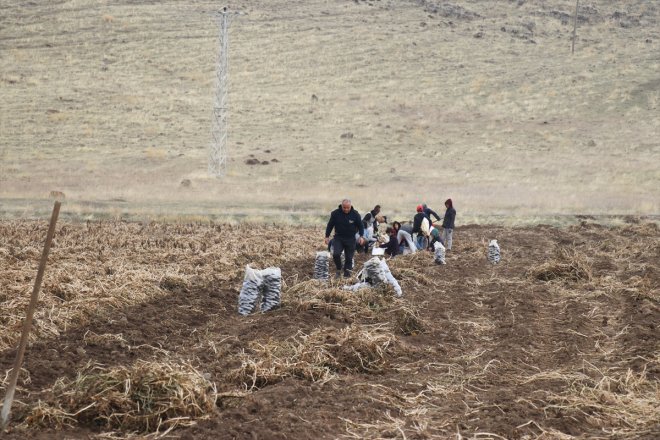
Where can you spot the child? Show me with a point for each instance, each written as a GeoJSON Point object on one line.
{"type": "Point", "coordinates": [392, 246]}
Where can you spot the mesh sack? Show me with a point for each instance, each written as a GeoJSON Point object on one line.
{"type": "Point", "coordinates": [249, 295]}
{"type": "Point", "coordinates": [357, 286]}
{"type": "Point", "coordinates": [322, 266]}
{"type": "Point", "coordinates": [373, 272]}
{"type": "Point", "coordinates": [493, 252]}
{"type": "Point", "coordinates": [439, 253]}
{"type": "Point", "coordinates": [271, 288]}
{"type": "Point", "coordinates": [390, 278]}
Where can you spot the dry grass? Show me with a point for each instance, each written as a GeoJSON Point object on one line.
{"type": "Point", "coordinates": [572, 355]}
{"type": "Point", "coordinates": [570, 264]}
{"type": "Point", "coordinates": [365, 305]}
{"type": "Point", "coordinates": [620, 402]}
{"type": "Point", "coordinates": [334, 300]}
{"type": "Point", "coordinates": [173, 282]}
{"type": "Point", "coordinates": [438, 93]}
{"type": "Point", "coordinates": [87, 277]}
{"type": "Point", "coordinates": [407, 320]}
{"type": "Point", "coordinates": [318, 356]}
{"type": "Point", "coordinates": [408, 270]}
{"type": "Point", "coordinates": [421, 413]}
{"type": "Point", "coordinates": [619, 261]}
{"type": "Point", "coordinates": [147, 397]}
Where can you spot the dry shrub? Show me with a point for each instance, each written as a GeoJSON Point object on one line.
{"type": "Point", "coordinates": [105, 340]}
{"type": "Point", "coordinates": [407, 269]}
{"type": "Point", "coordinates": [317, 356]}
{"type": "Point", "coordinates": [356, 349]}
{"type": "Point", "coordinates": [335, 301]}
{"type": "Point", "coordinates": [569, 264]}
{"type": "Point", "coordinates": [64, 288]}
{"type": "Point", "coordinates": [147, 397]}
{"type": "Point", "coordinates": [417, 259]}
{"type": "Point", "coordinates": [647, 229]}
{"type": "Point", "coordinates": [369, 304]}
{"type": "Point", "coordinates": [173, 283]}
{"type": "Point", "coordinates": [409, 276]}
{"type": "Point", "coordinates": [408, 321]}
{"type": "Point", "coordinates": [63, 292]}
{"type": "Point", "coordinates": [475, 249]}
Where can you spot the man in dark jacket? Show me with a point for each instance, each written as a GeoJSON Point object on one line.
{"type": "Point", "coordinates": [346, 222]}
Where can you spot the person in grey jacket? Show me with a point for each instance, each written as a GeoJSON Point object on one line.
{"type": "Point", "coordinates": [448, 223]}
{"type": "Point", "coordinates": [347, 223]}
{"type": "Point", "coordinates": [404, 237]}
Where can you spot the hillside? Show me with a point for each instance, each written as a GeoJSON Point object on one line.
{"type": "Point", "coordinates": [387, 102]}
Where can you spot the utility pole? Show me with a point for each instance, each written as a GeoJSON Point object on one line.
{"type": "Point", "coordinates": [577, 2]}
{"type": "Point", "coordinates": [218, 154]}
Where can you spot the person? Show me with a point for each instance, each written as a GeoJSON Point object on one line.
{"type": "Point", "coordinates": [347, 223]}
{"type": "Point", "coordinates": [448, 224]}
{"type": "Point", "coordinates": [370, 223]}
{"type": "Point", "coordinates": [392, 246]}
{"type": "Point", "coordinates": [404, 237]}
{"type": "Point", "coordinates": [371, 219]}
{"type": "Point", "coordinates": [420, 228]}
{"type": "Point", "coordinates": [434, 235]}
{"type": "Point", "coordinates": [428, 212]}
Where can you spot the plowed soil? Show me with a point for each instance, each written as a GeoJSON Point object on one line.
{"type": "Point", "coordinates": [558, 340]}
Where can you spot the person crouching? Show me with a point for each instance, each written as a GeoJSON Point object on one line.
{"type": "Point", "coordinates": [392, 246]}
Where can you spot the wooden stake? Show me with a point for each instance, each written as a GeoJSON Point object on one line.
{"type": "Point", "coordinates": [577, 2]}
{"type": "Point", "coordinates": [13, 379]}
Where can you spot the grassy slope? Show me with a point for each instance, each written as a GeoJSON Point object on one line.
{"type": "Point", "coordinates": [113, 102]}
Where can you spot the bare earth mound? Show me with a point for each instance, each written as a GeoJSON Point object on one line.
{"type": "Point", "coordinates": [137, 333]}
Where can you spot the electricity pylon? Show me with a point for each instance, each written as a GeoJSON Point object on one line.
{"type": "Point", "coordinates": [219, 127]}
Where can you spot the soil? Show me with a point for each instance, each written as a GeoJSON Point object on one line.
{"type": "Point", "coordinates": [502, 352]}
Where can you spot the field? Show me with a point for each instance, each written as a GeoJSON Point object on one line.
{"type": "Point", "coordinates": [108, 107]}
{"type": "Point", "coordinates": [137, 334]}
{"type": "Point", "coordinates": [386, 102]}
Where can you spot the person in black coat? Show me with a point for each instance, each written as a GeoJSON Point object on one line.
{"type": "Point", "coordinates": [347, 223]}
{"type": "Point", "coordinates": [421, 241]}
{"type": "Point", "coordinates": [417, 220]}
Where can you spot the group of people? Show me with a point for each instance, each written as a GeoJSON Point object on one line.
{"type": "Point", "coordinates": [352, 233]}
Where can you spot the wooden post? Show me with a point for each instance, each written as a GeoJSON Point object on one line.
{"type": "Point", "coordinates": [577, 2]}
{"type": "Point", "coordinates": [13, 378]}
